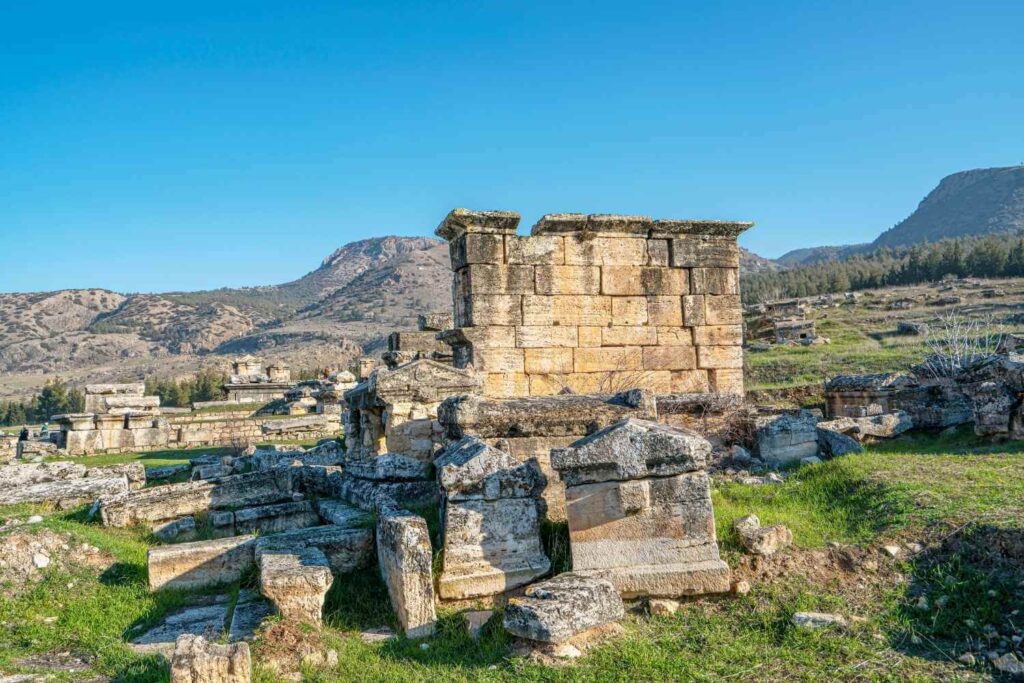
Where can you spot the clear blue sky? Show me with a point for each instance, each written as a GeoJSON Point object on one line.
{"type": "Point", "coordinates": [187, 145]}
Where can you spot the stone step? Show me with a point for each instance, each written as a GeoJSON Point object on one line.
{"type": "Point", "coordinates": [201, 564]}
{"type": "Point", "coordinates": [297, 582]}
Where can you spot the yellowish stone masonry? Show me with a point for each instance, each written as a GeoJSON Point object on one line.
{"type": "Point", "coordinates": [596, 304]}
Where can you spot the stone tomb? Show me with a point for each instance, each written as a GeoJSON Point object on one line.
{"type": "Point", "coordinates": [595, 304]}
{"type": "Point", "coordinates": [491, 521]}
{"type": "Point", "coordinates": [639, 507]}
{"type": "Point", "coordinates": [529, 428]}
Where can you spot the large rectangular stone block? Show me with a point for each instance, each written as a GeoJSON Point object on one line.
{"type": "Point", "coordinates": [664, 311]}
{"type": "Point", "coordinates": [506, 384]}
{"type": "Point", "coordinates": [716, 280]}
{"type": "Point", "coordinates": [202, 564]}
{"type": "Point", "coordinates": [653, 281]}
{"type": "Point", "coordinates": [545, 336]}
{"type": "Point", "coordinates": [566, 310]}
{"type": "Point", "coordinates": [498, 360]}
{"type": "Point", "coordinates": [723, 310]}
{"type": "Point", "coordinates": [568, 280]}
{"type": "Point", "coordinates": [405, 560]}
{"type": "Point", "coordinates": [730, 357]}
{"type": "Point", "coordinates": [347, 548]}
{"type": "Point", "coordinates": [657, 252]}
{"type": "Point", "coordinates": [608, 359]}
{"type": "Point", "coordinates": [493, 279]}
{"type": "Point", "coordinates": [629, 310]}
{"type": "Point", "coordinates": [476, 248]}
{"type": "Point", "coordinates": [718, 335]}
{"type": "Point", "coordinates": [689, 382]}
{"type": "Point", "coordinates": [726, 381]}
{"type": "Point", "coordinates": [552, 360]}
{"type": "Point", "coordinates": [629, 336]}
{"type": "Point", "coordinates": [536, 250]}
{"type": "Point", "coordinates": [605, 251]}
{"type": "Point", "coordinates": [669, 358]}
{"type": "Point", "coordinates": [675, 336]}
{"type": "Point", "coordinates": [488, 309]}
{"type": "Point", "coordinates": [694, 310]}
{"type": "Point", "coordinates": [589, 336]}
{"type": "Point", "coordinates": [705, 251]}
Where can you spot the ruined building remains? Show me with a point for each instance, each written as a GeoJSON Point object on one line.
{"type": "Point", "coordinates": [595, 304]}
{"type": "Point", "coordinates": [249, 382]}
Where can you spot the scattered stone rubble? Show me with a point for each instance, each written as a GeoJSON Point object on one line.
{"type": "Point", "coordinates": [758, 540]}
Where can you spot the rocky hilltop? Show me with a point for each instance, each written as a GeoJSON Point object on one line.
{"type": "Point", "coordinates": [977, 202]}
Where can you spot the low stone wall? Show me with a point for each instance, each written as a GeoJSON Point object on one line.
{"type": "Point", "coordinates": [187, 431]}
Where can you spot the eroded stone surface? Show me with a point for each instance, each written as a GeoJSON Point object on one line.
{"type": "Point", "coordinates": [201, 564]}
{"type": "Point", "coordinates": [762, 540]}
{"type": "Point", "coordinates": [203, 620]}
{"type": "Point", "coordinates": [196, 660]}
{"type": "Point", "coordinates": [405, 558]}
{"type": "Point", "coordinates": [631, 449]}
{"type": "Point", "coordinates": [787, 438]}
{"type": "Point", "coordinates": [346, 549]}
{"type": "Point", "coordinates": [297, 583]}
{"type": "Point", "coordinates": [558, 609]}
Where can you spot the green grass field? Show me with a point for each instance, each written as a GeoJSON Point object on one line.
{"type": "Point", "coordinates": [915, 488]}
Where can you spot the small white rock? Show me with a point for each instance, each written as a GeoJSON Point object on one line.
{"type": "Point", "coordinates": [891, 550]}
{"type": "Point", "coordinates": [815, 620]}
{"type": "Point", "coordinates": [35, 519]}
{"type": "Point", "coordinates": [40, 560]}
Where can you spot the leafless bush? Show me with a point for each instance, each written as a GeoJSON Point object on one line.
{"type": "Point", "coordinates": [957, 340]}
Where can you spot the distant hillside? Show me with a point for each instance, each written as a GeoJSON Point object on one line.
{"type": "Point", "coordinates": [813, 255]}
{"type": "Point", "coordinates": [978, 202]}
{"type": "Point", "coordinates": [752, 263]}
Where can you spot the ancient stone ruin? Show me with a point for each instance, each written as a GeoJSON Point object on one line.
{"type": "Point", "coordinates": [595, 304]}
{"type": "Point", "coordinates": [639, 507]}
{"type": "Point", "coordinates": [250, 383]}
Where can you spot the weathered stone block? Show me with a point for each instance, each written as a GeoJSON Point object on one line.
{"type": "Point", "coordinates": [493, 279]}
{"type": "Point", "coordinates": [669, 358]}
{"type": "Point", "coordinates": [657, 252]}
{"type": "Point", "coordinates": [566, 310]}
{"type": "Point", "coordinates": [346, 548]}
{"type": "Point", "coordinates": [718, 335]}
{"type": "Point", "coordinates": [197, 661]}
{"type": "Point", "coordinates": [605, 251]}
{"type": "Point", "coordinates": [664, 311]}
{"type": "Point", "coordinates": [608, 359]}
{"type": "Point", "coordinates": [629, 310]}
{"type": "Point", "coordinates": [491, 522]}
{"type": "Point", "coordinates": [691, 382]}
{"type": "Point", "coordinates": [567, 280]}
{"type": "Point", "coordinates": [297, 583]}
{"type": "Point", "coordinates": [630, 336]}
{"type": "Point", "coordinates": [705, 251]}
{"type": "Point", "coordinates": [65, 493]}
{"type": "Point", "coordinates": [589, 336]}
{"type": "Point", "coordinates": [649, 281]}
{"type": "Point", "coordinates": [551, 360]}
{"type": "Point", "coordinates": [694, 310]}
{"type": "Point", "coordinates": [498, 360]}
{"type": "Point", "coordinates": [461, 221]}
{"type": "Point", "coordinates": [545, 337]}
{"type": "Point", "coordinates": [507, 384]}
{"type": "Point", "coordinates": [476, 248]}
{"type": "Point", "coordinates": [725, 381]}
{"type": "Point", "coordinates": [536, 250]}
{"type": "Point", "coordinates": [631, 449]}
{"type": "Point", "coordinates": [558, 609]}
{"type": "Point", "coordinates": [202, 564]}
{"type": "Point", "coordinates": [715, 281]}
{"type": "Point", "coordinates": [675, 336]}
{"type": "Point", "coordinates": [405, 559]}
{"type": "Point", "coordinates": [787, 438]}
{"type": "Point", "coordinates": [478, 310]}
{"type": "Point", "coordinates": [272, 519]}
{"type": "Point", "coordinates": [729, 357]}
{"type": "Point", "coordinates": [722, 310]}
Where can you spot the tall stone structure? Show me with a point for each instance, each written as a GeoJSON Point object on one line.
{"type": "Point", "coordinates": [595, 304]}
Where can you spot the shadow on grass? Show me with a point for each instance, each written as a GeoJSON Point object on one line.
{"type": "Point", "coordinates": [959, 441]}
{"type": "Point", "coordinates": [152, 669]}
{"type": "Point", "coordinates": [965, 594]}
{"type": "Point", "coordinates": [123, 574]}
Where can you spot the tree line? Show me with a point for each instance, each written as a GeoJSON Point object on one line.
{"type": "Point", "coordinates": [206, 385]}
{"type": "Point", "coordinates": [55, 398]}
{"type": "Point", "coordinates": [991, 256]}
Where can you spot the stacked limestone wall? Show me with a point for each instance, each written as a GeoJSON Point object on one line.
{"type": "Point", "coordinates": [596, 304]}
